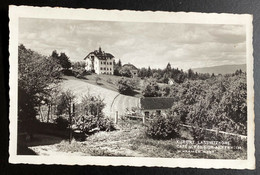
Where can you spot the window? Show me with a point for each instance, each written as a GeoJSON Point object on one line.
{"type": "Point", "coordinates": [110, 69]}
{"type": "Point", "coordinates": [158, 112]}
{"type": "Point", "coordinates": [101, 68]}
{"type": "Point", "coordinates": [146, 113]}
{"type": "Point", "coordinates": [110, 63]}
{"type": "Point", "coordinates": [101, 62]}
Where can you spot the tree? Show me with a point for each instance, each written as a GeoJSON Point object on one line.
{"type": "Point", "coordinates": [149, 72]}
{"type": "Point", "coordinates": [180, 78]}
{"type": "Point", "coordinates": [190, 73]}
{"type": "Point", "coordinates": [119, 63]}
{"type": "Point", "coordinates": [165, 91]}
{"type": "Point", "coordinates": [66, 105]}
{"type": "Point", "coordinates": [142, 72]}
{"type": "Point", "coordinates": [168, 68]}
{"type": "Point", "coordinates": [165, 78]}
{"type": "Point", "coordinates": [151, 90]}
{"type": "Point", "coordinates": [117, 67]}
{"type": "Point", "coordinates": [125, 86]}
{"type": "Point", "coordinates": [92, 105]}
{"type": "Point", "coordinates": [124, 71]}
{"type": "Point", "coordinates": [62, 59]}
{"type": "Point", "coordinates": [37, 76]}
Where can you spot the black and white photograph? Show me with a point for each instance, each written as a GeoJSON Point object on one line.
{"type": "Point", "coordinates": [144, 90]}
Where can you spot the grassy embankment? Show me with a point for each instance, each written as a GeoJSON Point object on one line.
{"type": "Point", "coordinates": [130, 140]}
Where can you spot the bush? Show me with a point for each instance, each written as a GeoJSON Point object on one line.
{"type": "Point", "coordinates": [80, 72]}
{"type": "Point", "coordinates": [61, 122]}
{"type": "Point", "coordinates": [163, 127]}
{"type": "Point", "coordinates": [67, 72]}
{"type": "Point", "coordinates": [109, 80]}
{"type": "Point", "coordinates": [105, 124]}
{"type": "Point", "coordinates": [87, 123]}
{"type": "Point", "coordinates": [125, 86]}
{"type": "Point", "coordinates": [151, 90]}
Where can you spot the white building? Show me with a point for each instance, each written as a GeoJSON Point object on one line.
{"type": "Point", "coordinates": [100, 62]}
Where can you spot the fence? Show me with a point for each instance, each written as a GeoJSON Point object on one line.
{"type": "Point", "coordinates": [216, 131]}
{"type": "Point", "coordinates": [144, 120]}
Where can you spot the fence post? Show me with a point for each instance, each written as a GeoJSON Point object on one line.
{"type": "Point", "coordinates": [116, 117]}
{"type": "Point", "coordinates": [217, 132]}
{"type": "Point", "coordinates": [144, 119]}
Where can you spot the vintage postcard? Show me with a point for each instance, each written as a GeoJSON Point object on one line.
{"type": "Point", "coordinates": [131, 88]}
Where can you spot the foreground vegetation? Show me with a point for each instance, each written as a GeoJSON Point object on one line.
{"type": "Point", "coordinates": [130, 140]}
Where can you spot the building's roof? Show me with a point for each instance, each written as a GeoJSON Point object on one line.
{"type": "Point", "coordinates": [156, 102]}
{"type": "Point", "coordinates": [131, 66]}
{"type": "Point", "coordinates": [101, 55]}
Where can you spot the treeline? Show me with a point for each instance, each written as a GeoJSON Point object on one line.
{"type": "Point", "coordinates": [178, 75]}
{"type": "Point", "coordinates": [162, 75]}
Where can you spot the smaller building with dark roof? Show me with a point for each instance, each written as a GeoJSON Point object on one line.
{"type": "Point", "coordinates": [159, 105]}
{"type": "Point", "coordinates": [132, 68]}
{"type": "Point", "coordinates": [100, 62]}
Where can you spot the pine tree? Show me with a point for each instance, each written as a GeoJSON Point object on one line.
{"type": "Point", "coordinates": [119, 63]}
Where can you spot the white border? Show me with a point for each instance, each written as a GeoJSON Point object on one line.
{"type": "Point", "coordinates": [131, 16]}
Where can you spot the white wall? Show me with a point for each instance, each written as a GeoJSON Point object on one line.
{"type": "Point", "coordinates": [106, 65]}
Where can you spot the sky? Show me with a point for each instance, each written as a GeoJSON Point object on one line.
{"type": "Point", "coordinates": [142, 44]}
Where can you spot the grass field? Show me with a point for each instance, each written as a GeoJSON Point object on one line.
{"type": "Point", "coordinates": [110, 82]}
{"type": "Point", "coordinates": [106, 81]}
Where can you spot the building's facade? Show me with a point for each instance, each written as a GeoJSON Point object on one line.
{"type": "Point", "coordinates": [155, 105]}
{"type": "Point", "coordinates": [171, 81]}
{"type": "Point", "coordinates": [100, 62]}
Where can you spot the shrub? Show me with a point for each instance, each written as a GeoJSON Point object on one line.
{"type": "Point", "coordinates": [86, 123]}
{"type": "Point", "coordinates": [125, 86]}
{"type": "Point", "coordinates": [61, 122]}
{"type": "Point", "coordinates": [105, 124]}
{"type": "Point", "coordinates": [109, 80]}
{"type": "Point", "coordinates": [163, 127]}
{"type": "Point", "coordinates": [67, 72]}
{"type": "Point", "coordinates": [79, 72]}
{"type": "Point", "coordinates": [151, 90]}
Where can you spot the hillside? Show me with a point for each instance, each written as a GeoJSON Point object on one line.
{"type": "Point", "coordinates": [224, 69]}
{"type": "Point", "coordinates": [113, 100]}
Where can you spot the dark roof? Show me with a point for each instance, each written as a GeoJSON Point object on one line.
{"type": "Point", "coordinates": [101, 55]}
{"type": "Point", "coordinates": [131, 66]}
{"type": "Point", "coordinates": [156, 102]}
